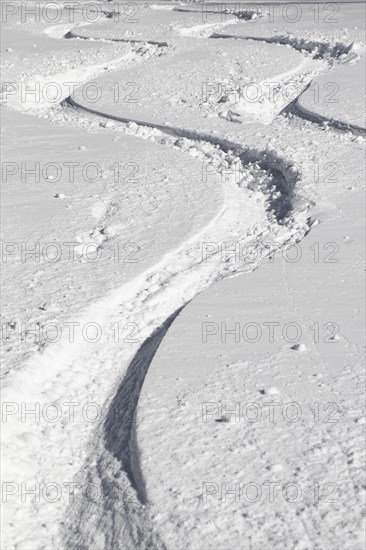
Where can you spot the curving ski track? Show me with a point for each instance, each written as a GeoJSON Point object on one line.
{"type": "Point", "coordinates": [331, 53]}
{"type": "Point", "coordinates": [297, 110]}
{"type": "Point", "coordinates": [120, 519]}
{"type": "Point", "coordinates": [118, 437]}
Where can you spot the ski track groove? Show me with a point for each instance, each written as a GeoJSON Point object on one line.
{"type": "Point", "coordinates": [295, 109]}
{"type": "Point", "coordinates": [73, 35]}
{"type": "Point", "coordinates": [319, 50]}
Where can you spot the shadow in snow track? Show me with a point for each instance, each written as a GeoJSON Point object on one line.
{"type": "Point", "coordinates": [295, 109]}
{"type": "Point", "coordinates": [74, 35]}
{"type": "Point", "coordinates": [319, 50]}
{"type": "Point", "coordinates": [119, 425]}
{"type": "Point", "coordinates": [245, 14]}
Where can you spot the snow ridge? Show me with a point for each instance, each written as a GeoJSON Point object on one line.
{"type": "Point", "coordinates": [330, 51]}
{"type": "Point", "coordinates": [73, 34]}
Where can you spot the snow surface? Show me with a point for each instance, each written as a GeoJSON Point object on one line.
{"type": "Point", "coordinates": [119, 454]}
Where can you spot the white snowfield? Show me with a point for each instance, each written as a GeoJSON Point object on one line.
{"type": "Point", "coordinates": [183, 298]}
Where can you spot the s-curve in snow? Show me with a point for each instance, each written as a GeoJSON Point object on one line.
{"type": "Point", "coordinates": [183, 225]}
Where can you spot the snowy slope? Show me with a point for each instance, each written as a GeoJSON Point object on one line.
{"type": "Point", "coordinates": [115, 196]}
{"type": "Point", "coordinates": [180, 172]}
